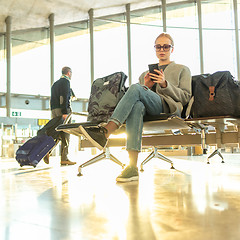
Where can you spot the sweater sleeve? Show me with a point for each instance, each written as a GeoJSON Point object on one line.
{"type": "Point", "coordinates": [178, 84]}
{"type": "Point", "coordinates": [141, 78]}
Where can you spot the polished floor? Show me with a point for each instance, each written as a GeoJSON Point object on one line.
{"type": "Point", "coordinates": [194, 202]}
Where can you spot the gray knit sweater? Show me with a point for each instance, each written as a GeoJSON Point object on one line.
{"type": "Point", "coordinates": [179, 88]}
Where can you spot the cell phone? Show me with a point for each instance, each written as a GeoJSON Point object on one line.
{"type": "Point", "coordinates": [151, 68]}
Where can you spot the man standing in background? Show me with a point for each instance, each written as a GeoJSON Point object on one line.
{"type": "Point", "coordinates": [61, 94]}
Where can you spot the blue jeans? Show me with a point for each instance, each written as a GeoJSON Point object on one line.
{"type": "Point", "coordinates": [137, 101]}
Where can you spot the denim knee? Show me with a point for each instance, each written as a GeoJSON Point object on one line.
{"type": "Point", "coordinates": [135, 87]}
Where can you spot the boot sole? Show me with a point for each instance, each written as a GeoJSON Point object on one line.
{"type": "Point", "coordinates": [67, 164]}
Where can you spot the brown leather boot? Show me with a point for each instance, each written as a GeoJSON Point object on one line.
{"type": "Point", "coordinates": [67, 162]}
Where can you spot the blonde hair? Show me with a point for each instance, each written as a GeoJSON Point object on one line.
{"type": "Point", "coordinates": [167, 36]}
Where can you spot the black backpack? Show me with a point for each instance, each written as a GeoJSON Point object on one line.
{"type": "Point", "coordinates": [216, 94]}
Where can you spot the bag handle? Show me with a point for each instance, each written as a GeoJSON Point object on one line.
{"type": "Point", "coordinates": [211, 93]}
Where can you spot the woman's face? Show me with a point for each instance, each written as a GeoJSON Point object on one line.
{"type": "Point", "coordinates": [163, 53]}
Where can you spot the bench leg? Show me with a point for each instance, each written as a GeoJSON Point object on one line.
{"type": "Point", "coordinates": [217, 151]}
{"type": "Point", "coordinates": [153, 154]}
{"type": "Point", "coordinates": [104, 155]}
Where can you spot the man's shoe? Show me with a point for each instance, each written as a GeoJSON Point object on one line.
{"type": "Point", "coordinates": [46, 159]}
{"type": "Point", "coordinates": [130, 173]}
{"type": "Point", "coordinates": [67, 162]}
{"type": "Point", "coordinates": [96, 135]}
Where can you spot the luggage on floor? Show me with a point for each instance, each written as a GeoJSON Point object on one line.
{"type": "Point", "coordinates": [216, 94]}
{"type": "Point", "coordinates": [105, 94]}
{"type": "Point", "coordinates": [32, 151]}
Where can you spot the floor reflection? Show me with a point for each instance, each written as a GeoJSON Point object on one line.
{"type": "Point", "coordinates": [196, 201]}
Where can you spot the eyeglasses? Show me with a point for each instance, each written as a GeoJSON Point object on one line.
{"type": "Point", "coordinates": [165, 47]}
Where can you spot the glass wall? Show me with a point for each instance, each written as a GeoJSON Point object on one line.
{"type": "Point", "coordinates": [30, 70]}
{"type": "Point", "coordinates": [238, 14]}
{"type": "Point", "coordinates": [182, 24]}
{"type": "Point", "coordinates": [3, 83]}
{"type": "Point", "coordinates": [146, 25]}
{"type": "Point", "coordinates": [72, 49]}
{"type": "Point", "coordinates": [31, 50]}
{"type": "Point", "coordinates": [110, 46]}
{"type": "Point", "coordinates": [238, 8]}
{"type": "Point", "coordinates": [2, 65]}
{"type": "Point", "coordinates": [218, 36]}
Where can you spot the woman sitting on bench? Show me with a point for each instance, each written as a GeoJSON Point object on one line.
{"type": "Point", "coordinates": [166, 91]}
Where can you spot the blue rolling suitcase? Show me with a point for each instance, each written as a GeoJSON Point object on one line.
{"type": "Point", "coordinates": [32, 151]}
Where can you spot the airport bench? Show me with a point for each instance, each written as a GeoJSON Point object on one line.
{"type": "Point", "coordinates": [168, 130]}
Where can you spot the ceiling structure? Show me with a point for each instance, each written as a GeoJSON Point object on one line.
{"type": "Point", "coordinates": [30, 14]}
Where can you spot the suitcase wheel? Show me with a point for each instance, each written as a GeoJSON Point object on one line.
{"type": "Point", "coordinates": [34, 163]}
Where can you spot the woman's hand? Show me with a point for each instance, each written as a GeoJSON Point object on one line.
{"type": "Point", "coordinates": [158, 78]}
{"type": "Point", "coordinates": [147, 81]}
